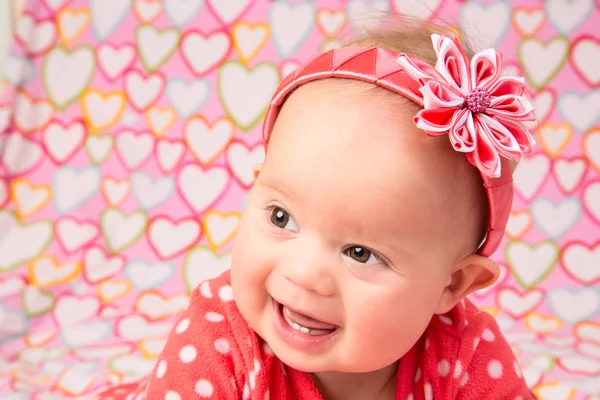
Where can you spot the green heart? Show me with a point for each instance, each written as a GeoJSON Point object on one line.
{"type": "Point", "coordinates": [121, 216]}
{"type": "Point", "coordinates": [48, 232]}
{"type": "Point", "coordinates": [206, 265]}
{"type": "Point", "coordinates": [42, 294]}
{"type": "Point", "coordinates": [92, 157]}
{"type": "Point", "coordinates": [150, 62]}
{"type": "Point", "coordinates": [528, 282]}
{"type": "Point", "coordinates": [72, 75]}
{"type": "Point", "coordinates": [534, 78]}
{"type": "Point", "coordinates": [232, 91]}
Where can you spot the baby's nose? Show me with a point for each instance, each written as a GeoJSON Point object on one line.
{"type": "Point", "coordinates": [310, 275]}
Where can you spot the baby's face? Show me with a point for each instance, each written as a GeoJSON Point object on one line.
{"type": "Point", "coordinates": [355, 220]}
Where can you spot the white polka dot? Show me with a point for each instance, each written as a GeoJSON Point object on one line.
{"type": "Point", "coordinates": [182, 326]}
{"type": "Point", "coordinates": [204, 388]}
{"type": "Point", "coordinates": [410, 397]}
{"type": "Point", "coordinates": [161, 368]}
{"type": "Point", "coordinates": [252, 380]}
{"type": "Point", "coordinates": [476, 343]}
{"type": "Point", "coordinates": [427, 343]}
{"type": "Point", "coordinates": [171, 395]}
{"type": "Point", "coordinates": [222, 346]}
{"type": "Point", "coordinates": [457, 369]}
{"type": "Point", "coordinates": [518, 369]}
{"type": "Point", "coordinates": [213, 317]}
{"type": "Point", "coordinates": [256, 366]}
{"type": "Point", "coordinates": [225, 293]}
{"type": "Point", "coordinates": [495, 369]}
{"type": "Point", "coordinates": [267, 395]}
{"type": "Point", "coordinates": [519, 398]}
{"type": "Point", "coordinates": [488, 335]}
{"type": "Point", "coordinates": [428, 391]}
{"type": "Point", "coordinates": [418, 375]}
{"type": "Point", "coordinates": [187, 353]}
{"type": "Point", "coordinates": [444, 368]}
{"type": "Point", "coordinates": [445, 320]}
{"type": "Point", "coordinates": [246, 392]}
{"type": "Point", "coordinates": [464, 380]}
{"type": "Point", "coordinates": [205, 290]}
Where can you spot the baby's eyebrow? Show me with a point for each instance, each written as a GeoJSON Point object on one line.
{"type": "Point", "coordinates": [278, 186]}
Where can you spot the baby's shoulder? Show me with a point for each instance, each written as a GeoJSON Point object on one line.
{"type": "Point", "coordinates": [219, 325]}
{"type": "Point", "coordinates": [465, 319]}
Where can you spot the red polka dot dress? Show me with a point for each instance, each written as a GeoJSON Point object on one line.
{"type": "Point", "coordinates": [211, 353]}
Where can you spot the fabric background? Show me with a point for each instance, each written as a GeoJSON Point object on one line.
{"type": "Point", "coordinates": [128, 132]}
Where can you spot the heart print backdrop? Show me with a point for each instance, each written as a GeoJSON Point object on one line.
{"type": "Point", "coordinates": [128, 133]}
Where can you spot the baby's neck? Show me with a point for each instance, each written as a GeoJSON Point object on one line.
{"type": "Point", "coordinates": [379, 385]}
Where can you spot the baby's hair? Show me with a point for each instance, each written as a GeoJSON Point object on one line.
{"type": "Point", "coordinates": [403, 34]}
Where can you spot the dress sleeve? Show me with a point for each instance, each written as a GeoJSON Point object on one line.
{"type": "Point", "coordinates": [197, 361]}
{"type": "Point", "coordinates": [487, 367]}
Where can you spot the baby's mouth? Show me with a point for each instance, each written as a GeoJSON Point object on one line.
{"type": "Point", "coordinates": [305, 324]}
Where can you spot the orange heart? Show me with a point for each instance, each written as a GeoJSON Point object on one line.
{"type": "Point", "coordinates": [151, 348]}
{"type": "Point", "coordinates": [29, 199]}
{"type": "Point", "coordinates": [490, 310]}
{"type": "Point", "coordinates": [538, 323]}
{"type": "Point", "coordinates": [330, 22]}
{"type": "Point", "coordinates": [71, 24]}
{"type": "Point", "coordinates": [73, 383]}
{"type": "Point", "coordinates": [147, 10]}
{"type": "Point", "coordinates": [111, 290]}
{"type": "Point", "coordinates": [160, 119]}
{"type": "Point", "coordinates": [46, 271]}
{"type": "Point", "coordinates": [39, 339]}
{"type": "Point", "coordinates": [554, 137]}
{"type": "Point", "coordinates": [102, 110]}
{"type": "Point", "coordinates": [554, 390]}
{"type": "Point", "coordinates": [587, 331]}
{"type": "Point", "coordinates": [155, 306]}
{"type": "Point", "coordinates": [205, 141]}
{"type": "Point", "coordinates": [219, 227]}
{"type": "Point", "coordinates": [114, 191]}
{"type": "Point", "coordinates": [248, 39]}
{"type": "Point", "coordinates": [3, 87]}
{"type": "Point", "coordinates": [518, 223]}
{"type": "Point", "coordinates": [527, 21]}
{"type": "Point", "coordinates": [591, 148]}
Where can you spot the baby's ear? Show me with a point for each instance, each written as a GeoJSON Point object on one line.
{"type": "Point", "coordinates": [473, 273]}
{"type": "Point", "coordinates": [256, 170]}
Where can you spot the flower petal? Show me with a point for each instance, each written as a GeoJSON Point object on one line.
{"type": "Point", "coordinates": [417, 72]}
{"type": "Point", "coordinates": [485, 156]}
{"type": "Point", "coordinates": [437, 94]}
{"type": "Point", "coordinates": [507, 85]}
{"type": "Point", "coordinates": [520, 133]}
{"type": "Point", "coordinates": [499, 136]}
{"type": "Point", "coordinates": [485, 68]}
{"type": "Point", "coordinates": [452, 63]}
{"type": "Point", "coordinates": [462, 134]}
{"type": "Point", "coordinates": [512, 108]}
{"type": "Point", "coordinates": [437, 121]}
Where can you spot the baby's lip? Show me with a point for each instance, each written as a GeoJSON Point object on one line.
{"type": "Point", "coordinates": [305, 313]}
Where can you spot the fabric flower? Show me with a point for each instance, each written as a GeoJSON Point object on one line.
{"type": "Point", "coordinates": [481, 111]}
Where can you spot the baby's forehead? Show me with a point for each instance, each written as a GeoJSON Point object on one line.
{"type": "Point", "coordinates": [333, 130]}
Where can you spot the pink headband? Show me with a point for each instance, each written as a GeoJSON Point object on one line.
{"type": "Point", "coordinates": [480, 110]}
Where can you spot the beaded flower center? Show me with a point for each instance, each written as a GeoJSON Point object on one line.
{"type": "Point", "coordinates": [478, 100]}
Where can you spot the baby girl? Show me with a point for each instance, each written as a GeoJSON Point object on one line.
{"type": "Point", "coordinates": [386, 186]}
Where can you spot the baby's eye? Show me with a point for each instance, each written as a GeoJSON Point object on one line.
{"type": "Point", "coordinates": [282, 219]}
{"type": "Point", "coordinates": [363, 255]}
